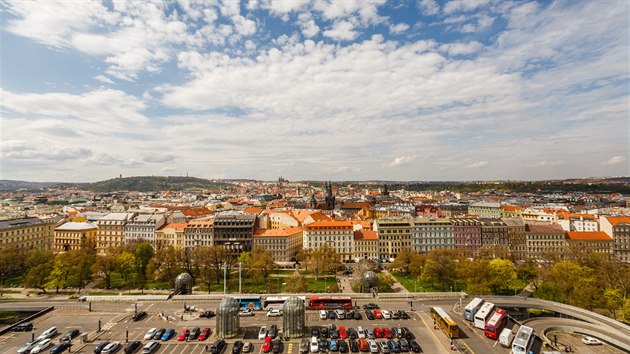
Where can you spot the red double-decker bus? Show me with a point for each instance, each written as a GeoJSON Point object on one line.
{"type": "Point", "coordinates": [330, 303]}
{"type": "Point", "coordinates": [495, 323]}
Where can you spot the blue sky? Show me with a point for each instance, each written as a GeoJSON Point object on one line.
{"type": "Point", "coordinates": [330, 90]}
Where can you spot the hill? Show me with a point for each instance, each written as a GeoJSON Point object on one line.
{"type": "Point", "coordinates": [154, 184]}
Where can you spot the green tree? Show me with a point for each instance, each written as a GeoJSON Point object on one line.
{"type": "Point", "coordinates": [143, 254]}
{"type": "Point", "coordinates": [403, 260]}
{"type": "Point", "coordinates": [324, 260]}
{"type": "Point", "coordinates": [82, 262]}
{"type": "Point", "coordinates": [125, 265]}
{"type": "Point", "coordinates": [502, 273]}
{"type": "Point", "coordinates": [262, 262]}
{"type": "Point", "coordinates": [204, 258]}
{"type": "Point", "coordinates": [167, 264]}
{"type": "Point", "coordinates": [476, 274]}
{"type": "Point", "coordinates": [62, 268]}
{"type": "Point", "coordinates": [104, 266]}
{"type": "Point", "coordinates": [40, 264]}
{"type": "Point", "coordinates": [11, 263]}
{"type": "Point", "coordinates": [296, 283]}
{"type": "Point", "coordinates": [440, 268]}
{"type": "Point", "coordinates": [613, 301]}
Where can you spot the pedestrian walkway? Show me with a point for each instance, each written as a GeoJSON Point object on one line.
{"type": "Point", "coordinates": [396, 286]}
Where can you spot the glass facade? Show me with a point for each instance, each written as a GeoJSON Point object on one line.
{"type": "Point", "coordinates": [293, 319]}
{"type": "Point", "coordinates": [227, 317]}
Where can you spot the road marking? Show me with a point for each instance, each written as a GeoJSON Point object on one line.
{"type": "Point", "coordinates": [446, 350]}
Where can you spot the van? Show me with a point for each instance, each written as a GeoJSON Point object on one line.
{"type": "Point", "coordinates": [50, 332]}
{"type": "Point", "coordinates": [341, 314]}
{"type": "Point", "coordinates": [506, 337]}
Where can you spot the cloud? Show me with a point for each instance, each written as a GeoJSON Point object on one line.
{"type": "Point", "coordinates": [463, 5]}
{"type": "Point", "coordinates": [402, 160]}
{"type": "Point", "coordinates": [478, 164]}
{"type": "Point", "coordinates": [103, 79]}
{"type": "Point", "coordinates": [615, 160]}
{"type": "Point", "coordinates": [41, 149]}
{"type": "Point", "coordinates": [429, 7]}
{"type": "Point", "coordinates": [398, 28]}
{"type": "Point", "coordinates": [461, 48]}
{"type": "Point", "coordinates": [159, 158]}
{"type": "Point", "coordinates": [341, 31]}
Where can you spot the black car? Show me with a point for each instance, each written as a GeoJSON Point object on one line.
{"type": "Point", "coordinates": [60, 348]}
{"type": "Point", "coordinates": [273, 331]}
{"type": "Point", "coordinates": [23, 327]}
{"type": "Point", "coordinates": [343, 347]}
{"type": "Point", "coordinates": [403, 314]}
{"type": "Point", "coordinates": [194, 333]}
{"type": "Point", "coordinates": [370, 306]}
{"type": "Point", "coordinates": [404, 345]}
{"type": "Point", "coordinates": [354, 346]}
{"type": "Point", "coordinates": [414, 346]}
{"type": "Point", "coordinates": [352, 333]}
{"type": "Point", "coordinates": [357, 315]}
{"type": "Point", "coordinates": [139, 315]}
{"type": "Point", "coordinates": [238, 346]}
{"type": "Point", "coordinates": [218, 346]}
{"type": "Point", "coordinates": [100, 347]}
{"type": "Point", "coordinates": [393, 346]}
{"type": "Point", "coordinates": [132, 347]}
{"type": "Point", "coordinates": [323, 332]}
{"type": "Point", "coordinates": [332, 315]}
{"type": "Point", "coordinates": [315, 332]}
{"type": "Point", "coordinates": [71, 334]}
{"type": "Point", "coordinates": [159, 333]}
{"type": "Point", "coordinates": [407, 333]}
{"type": "Point", "coordinates": [207, 314]}
{"type": "Point", "coordinates": [323, 346]}
{"type": "Point", "coordinates": [369, 314]}
{"type": "Point", "coordinates": [276, 346]}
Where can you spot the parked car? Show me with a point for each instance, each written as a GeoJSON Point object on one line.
{"type": "Point", "coordinates": [315, 332]}
{"type": "Point", "coordinates": [168, 334]}
{"type": "Point", "coordinates": [357, 315]}
{"type": "Point", "coordinates": [343, 346]}
{"type": "Point", "coordinates": [184, 335]}
{"type": "Point", "coordinates": [373, 346]}
{"type": "Point", "coordinates": [194, 333]}
{"type": "Point", "coordinates": [204, 334]}
{"type": "Point", "coordinates": [150, 333]}
{"type": "Point", "coordinates": [133, 346]}
{"type": "Point", "coordinates": [99, 347]}
{"type": "Point", "coordinates": [266, 346]}
{"type": "Point", "coordinates": [150, 347]}
{"type": "Point", "coordinates": [323, 346]}
{"type": "Point", "coordinates": [246, 312]}
{"type": "Point", "coordinates": [218, 346]}
{"type": "Point", "coordinates": [323, 315]}
{"type": "Point", "coordinates": [352, 333]}
{"type": "Point", "coordinates": [304, 346]}
{"type": "Point", "coordinates": [332, 315]}
{"type": "Point", "coordinates": [395, 315]}
{"type": "Point", "coordinates": [274, 313]}
{"type": "Point", "coordinates": [26, 348]}
{"type": "Point", "coordinates": [360, 332]}
{"type": "Point", "coordinates": [49, 333]}
{"type": "Point", "coordinates": [414, 346]}
{"type": "Point", "coordinates": [111, 348]}
{"type": "Point", "coordinates": [370, 315]}
{"type": "Point", "coordinates": [377, 314]}
{"type": "Point", "coordinates": [262, 333]}
{"type": "Point", "coordinates": [273, 331]}
{"type": "Point", "coordinates": [323, 332]}
{"type": "Point", "coordinates": [395, 332]}
{"type": "Point", "coordinates": [408, 334]}
{"type": "Point", "coordinates": [248, 347]}
{"type": "Point", "coordinates": [370, 306]}
{"type": "Point", "coordinates": [386, 314]}
{"type": "Point", "coordinates": [363, 345]}
{"type": "Point", "coordinates": [207, 314]}
{"type": "Point", "coordinates": [159, 333]}
{"type": "Point", "coordinates": [69, 335]}
{"type": "Point", "coordinates": [238, 346]}
{"type": "Point", "coordinates": [404, 345]}
{"type": "Point", "coordinates": [332, 345]}
{"type": "Point", "coordinates": [61, 347]}
{"type": "Point", "coordinates": [354, 346]}
{"type": "Point", "coordinates": [403, 314]}
{"type": "Point", "coordinates": [369, 333]}
{"type": "Point", "coordinates": [343, 334]}
{"type": "Point", "coordinates": [41, 346]}
{"type": "Point", "coordinates": [384, 347]}
{"type": "Point", "coordinates": [591, 341]}
{"type": "Point", "coordinates": [387, 333]}
{"type": "Point", "coordinates": [378, 332]}
{"type": "Point", "coordinates": [277, 346]}
{"type": "Point", "coordinates": [23, 327]}
{"type": "Point", "coordinates": [314, 345]}
{"type": "Point", "coordinates": [139, 315]}
{"type": "Point", "coordinates": [393, 346]}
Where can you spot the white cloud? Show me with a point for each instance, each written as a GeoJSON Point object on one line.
{"type": "Point", "coordinates": [478, 164]}
{"type": "Point", "coordinates": [398, 28]}
{"type": "Point", "coordinates": [614, 160]}
{"type": "Point", "coordinates": [402, 160]}
{"type": "Point", "coordinates": [463, 5]}
{"type": "Point", "coordinates": [341, 31]}
{"type": "Point", "coordinates": [429, 7]}
{"type": "Point", "coordinates": [461, 48]}
{"type": "Point", "coordinates": [103, 79]}
{"type": "Point", "coordinates": [282, 7]}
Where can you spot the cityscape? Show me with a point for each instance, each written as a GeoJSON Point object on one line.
{"type": "Point", "coordinates": [314, 176]}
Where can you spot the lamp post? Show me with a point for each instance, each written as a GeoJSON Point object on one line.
{"type": "Point", "coordinates": [99, 325]}
{"type": "Point", "coordinates": [224, 278]}
{"type": "Point", "coordinates": [127, 334]}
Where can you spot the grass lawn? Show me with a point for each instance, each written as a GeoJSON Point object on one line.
{"type": "Point", "coordinates": [320, 285]}
{"type": "Point", "coordinates": [103, 293]}
{"type": "Point", "coordinates": [415, 284]}
{"type": "Point", "coordinates": [14, 282]}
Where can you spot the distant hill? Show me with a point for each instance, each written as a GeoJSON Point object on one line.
{"type": "Point", "coordinates": [10, 185]}
{"type": "Point", "coordinates": [154, 184]}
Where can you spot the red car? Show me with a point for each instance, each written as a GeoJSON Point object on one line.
{"type": "Point", "coordinates": [378, 314]}
{"type": "Point", "coordinates": [363, 345]}
{"type": "Point", "coordinates": [182, 337]}
{"type": "Point", "coordinates": [387, 333]}
{"type": "Point", "coordinates": [342, 332]}
{"type": "Point", "coordinates": [266, 347]}
{"type": "Point", "coordinates": [378, 332]}
{"type": "Point", "coordinates": [205, 333]}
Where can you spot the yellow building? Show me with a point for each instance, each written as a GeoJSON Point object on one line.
{"type": "Point", "coordinates": [170, 235]}
{"type": "Point", "coordinates": [74, 236]}
{"type": "Point", "coordinates": [283, 244]}
{"type": "Point", "coordinates": [365, 245]}
{"type": "Point", "coordinates": [26, 233]}
{"type": "Point", "coordinates": [111, 231]}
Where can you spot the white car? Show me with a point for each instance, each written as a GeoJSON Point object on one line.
{"type": "Point", "coordinates": [262, 334]}
{"type": "Point", "coordinates": [360, 332]}
{"type": "Point", "coordinates": [50, 332]}
{"type": "Point", "coordinates": [314, 345]}
{"type": "Point", "coordinates": [323, 315]}
{"type": "Point", "coordinates": [373, 346]}
{"type": "Point", "coordinates": [274, 313]}
{"type": "Point", "coordinates": [41, 346]}
{"type": "Point", "coordinates": [246, 313]}
{"type": "Point", "coordinates": [26, 348]}
{"type": "Point", "coordinates": [150, 333]}
{"type": "Point", "coordinates": [386, 314]}
{"type": "Point", "coordinates": [591, 341]}
{"type": "Point", "coordinates": [111, 348]}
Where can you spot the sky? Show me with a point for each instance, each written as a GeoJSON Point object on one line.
{"type": "Point", "coordinates": [417, 90]}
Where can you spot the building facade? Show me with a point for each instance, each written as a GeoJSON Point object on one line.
{"type": "Point", "coordinates": [283, 244]}
{"type": "Point", "coordinates": [199, 233]}
{"type": "Point", "coordinates": [580, 242]}
{"type": "Point", "coordinates": [234, 231]}
{"type": "Point", "coordinates": [619, 229]}
{"type": "Point", "coordinates": [467, 236]}
{"type": "Point", "coordinates": [142, 227]}
{"type": "Point", "coordinates": [74, 236]}
{"type": "Point", "coordinates": [393, 235]}
{"type": "Point", "coordinates": [111, 231]}
{"type": "Point", "coordinates": [338, 235]}
{"type": "Point", "coordinates": [429, 234]}
{"type": "Point", "coordinates": [485, 210]}
{"type": "Point", "coordinates": [516, 237]}
{"type": "Point", "coordinates": [544, 241]}
{"type": "Point", "coordinates": [365, 245]}
{"type": "Point", "coordinates": [26, 233]}
{"type": "Point", "coordinates": [170, 235]}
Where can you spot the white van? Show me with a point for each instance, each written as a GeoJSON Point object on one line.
{"type": "Point", "coordinates": [506, 337]}
{"type": "Point", "coordinates": [341, 314]}
{"type": "Point", "coordinates": [49, 333]}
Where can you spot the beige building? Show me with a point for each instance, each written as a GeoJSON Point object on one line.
{"type": "Point", "coordinates": [428, 234]}
{"type": "Point", "coordinates": [365, 245]}
{"type": "Point", "coordinates": [578, 242]}
{"type": "Point", "coordinates": [199, 233]}
{"type": "Point", "coordinates": [338, 235]}
{"type": "Point", "coordinates": [283, 244]}
{"type": "Point", "coordinates": [170, 235]}
{"type": "Point", "coordinates": [516, 237]}
{"type": "Point", "coordinates": [393, 235]}
{"type": "Point", "coordinates": [111, 231]}
{"type": "Point", "coordinates": [74, 236]}
{"type": "Point", "coordinates": [544, 241]}
{"type": "Point", "coordinates": [619, 229]}
{"type": "Point", "coordinates": [26, 233]}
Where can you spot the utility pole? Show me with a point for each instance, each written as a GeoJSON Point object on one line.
{"type": "Point", "coordinates": [224, 278]}
{"type": "Point", "coordinates": [240, 278]}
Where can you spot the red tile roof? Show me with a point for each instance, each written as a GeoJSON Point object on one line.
{"type": "Point", "coordinates": [278, 232]}
{"type": "Point", "coordinates": [365, 235]}
{"type": "Point", "coordinates": [588, 236]}
{"type": "Point", "coordinates": [614, 221]}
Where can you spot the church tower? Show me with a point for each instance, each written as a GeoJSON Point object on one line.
{"type": "Point", "coordinates": [330, 198]}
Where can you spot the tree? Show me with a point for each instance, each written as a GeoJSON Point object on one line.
{"type": "Point", "coordinates": [403, 260]}
{"type": "Point", "coordinates": [303, 257]}
{"type": "Point", "coordinates": [613, 301]}
{"type": "Point", "coordinates": [40, 264]}
{"type": "Point", "coordinates": [104, 266]}
{"type": "Point", "coordinates": [143, 255]}
{"type": "Point", "coordinates": [203, 255]}
{"type": "Point", "coordinates": [217, 257]}
{"type": "Point", "coordinates": [62, 268]}
{"type": "Point", "coordinates": [11, 263]}
{"type": "Point", "coordinates": [82, 262]}
{"type": "Point", "coordinates": [502, 274]}
{"type": "Point", "coordinates": [528, 272]}
{"type": "Point", "coordinates": [476, 274]}
{"type": "Point", "coordinates": [125, 264]}
{"type": "Point", "coordinates": [166, 264]}
{"type": "Point", "coordinates": [440, 268]}
{"type": "Point", "coordinates": [262, 262]}
{"type": "Point", "coordinates": [324, 260]}
{"type": "Point", "coordinates": [296, 283]}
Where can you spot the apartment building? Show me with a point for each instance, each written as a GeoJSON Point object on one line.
{"type": "Point", "coordinates": [26, 233]}
{"type": "Point", "coordinates": [485, 209]}
{"type": "Point", "coordinates": [74, 236]}
{"type": "Point", "coordinates": [393, 235]}
{"type": "Point", "coordinates": [283, 244]}
{"type": "Point", "coordinates": [142, 227]}
{"type": "Point", "coordinates": [467, 235]}
{"type": "Point", "coordinates": [619, 229]}
{"type": "Point", "coordinates": [170, 235]}
{"type": "Point", "coordinates": [234, 231]}
{"type": "Point", "coordinates": [365, 245]}
{"type": "Point", "coordinates": [578, 222]}
{"type": "Point", "coordinates": [578, 242]}
{"type": "Point", "coordinates": [429, 234]}
{"type": "Point", "coordinates": [111, 231]}
{"type": "Point", "coordinates": [338, 235]}
{"type": "Point", "coordinates": [494, 233]}
{"type": "Point", "coordinates": [544, 241]}
{"type": "Point", "coordinates": [199, 233]}
{"type": "Point", "coordinates": [516, 237]}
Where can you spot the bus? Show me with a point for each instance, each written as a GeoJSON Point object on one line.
{"type": "Point", "coordinates": [471, 309]}
{"type": "Point", "coordinates": [330, 303]}
{"type": "Point", "coordinates": [482, 315]}
{"type": "Point", "coordinates": [496, 323]}
{"type": "Point", "coordinates": [523, 341]}
{"type": "Point", "coordinates": [250, 302]}
{"type": "Point", "coordinates": [442, 319]}
{"type": "Point", "coordinates": [276, 302]}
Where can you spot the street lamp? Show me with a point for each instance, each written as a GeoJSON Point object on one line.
{"type": "Point", "coordinates": [127, 334]}
{"type": "Point", "coordinates": [99, 325]}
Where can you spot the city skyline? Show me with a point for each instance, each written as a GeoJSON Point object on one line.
{"type": "Point", "coordinates": [314, 90]}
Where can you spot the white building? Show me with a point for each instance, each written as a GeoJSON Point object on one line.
{"type": "Point", "coordinates": [338, 235]}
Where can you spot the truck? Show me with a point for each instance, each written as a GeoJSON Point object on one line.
{"type": "Point", "coordinates": [506, 337]}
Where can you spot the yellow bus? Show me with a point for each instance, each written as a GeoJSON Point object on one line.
{"type": "Point", "coordinates": [442, 319]}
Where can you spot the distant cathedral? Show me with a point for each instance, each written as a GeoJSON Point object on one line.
{"type": "Point", "coordinates": [329, 199]}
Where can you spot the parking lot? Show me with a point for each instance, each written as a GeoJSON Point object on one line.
{"type": "Point", "coordinates": [117, 325]}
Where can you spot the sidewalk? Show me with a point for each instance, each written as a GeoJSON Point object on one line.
{"type": "Point", "coordinates": [396, 286]}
